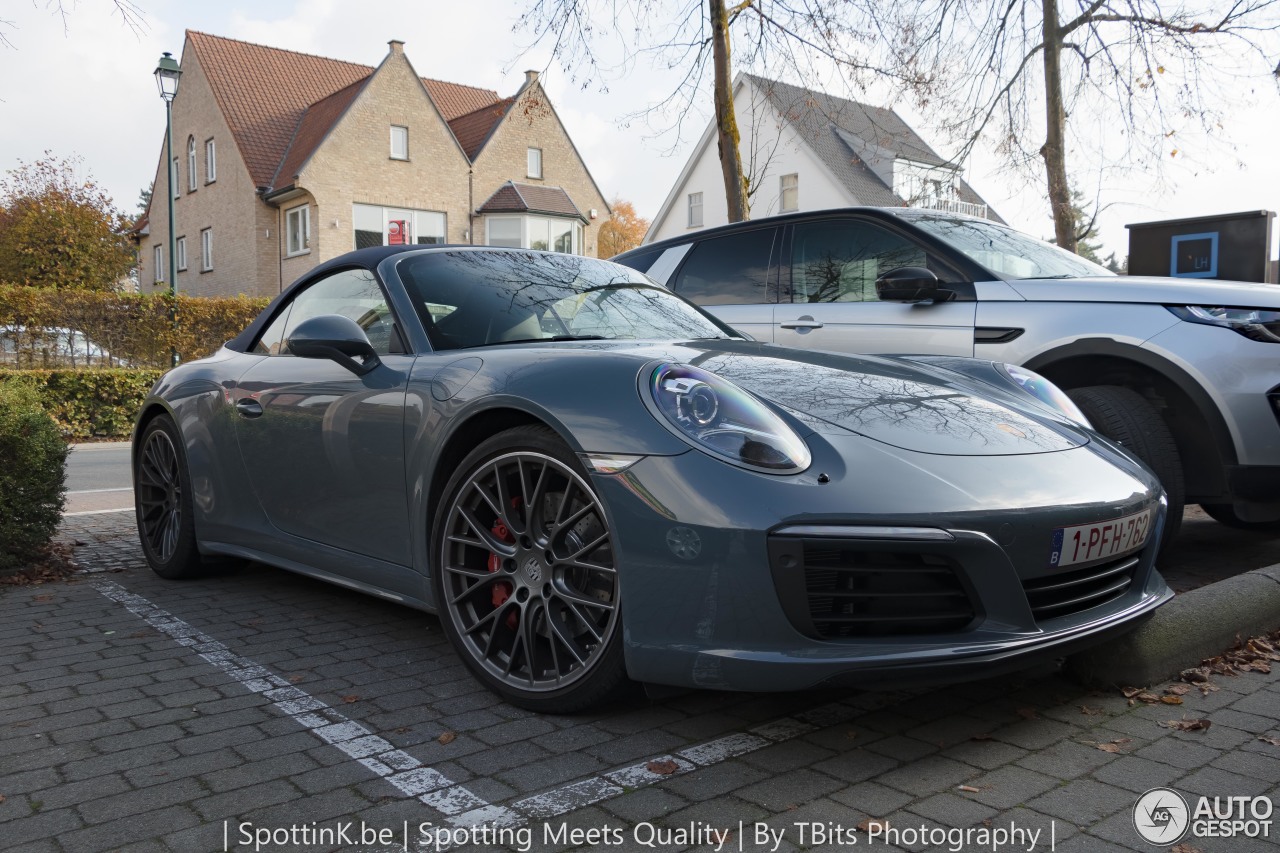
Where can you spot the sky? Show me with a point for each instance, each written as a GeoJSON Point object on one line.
{"type": "Point", "coordinates": [82, 85]}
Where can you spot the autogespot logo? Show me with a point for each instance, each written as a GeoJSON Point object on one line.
{"type": "Point", "coordinates": [1161, 816]}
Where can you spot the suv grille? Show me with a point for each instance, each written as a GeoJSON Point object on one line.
{"type": "Point", "coordinates": [1072, 592]}
{"type": "Point", "coordinates": [841, 588]}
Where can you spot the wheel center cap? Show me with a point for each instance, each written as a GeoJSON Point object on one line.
{"type": "Point", "coordinates": [532, 569]}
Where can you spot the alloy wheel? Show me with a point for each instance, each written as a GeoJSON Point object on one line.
{"type": "Point", "coordinates": [528, 571]}
{"type": "Point", "coordinates": [160, 495]}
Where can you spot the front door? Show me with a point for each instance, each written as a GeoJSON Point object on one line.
{"type": "Point", "coordinates": [832, 270]}
{"type": "Point", "coordinates": [324, 448]}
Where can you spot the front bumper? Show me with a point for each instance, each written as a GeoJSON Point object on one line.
{"type": "Point", "coordinates": [710, 598]}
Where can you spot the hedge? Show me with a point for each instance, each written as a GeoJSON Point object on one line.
{"type": "Point", "coordinates": [135, 329]}
{"type": "Point", "coordinates": [88, 403]}
{"type": "Point", "coordinates": [32, 478]}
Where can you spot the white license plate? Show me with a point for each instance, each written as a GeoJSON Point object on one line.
{"type": "Point", "coordinates": [1087, 542]}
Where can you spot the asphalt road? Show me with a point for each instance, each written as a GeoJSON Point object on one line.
{"type": "Point", "coordinates": [98, 478]}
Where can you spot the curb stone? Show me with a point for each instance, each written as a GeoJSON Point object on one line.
{"type": "Point", "coordinates": [1198, 624]}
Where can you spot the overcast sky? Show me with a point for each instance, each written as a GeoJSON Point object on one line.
{"type": "Point", "coordinates": [87, 89]}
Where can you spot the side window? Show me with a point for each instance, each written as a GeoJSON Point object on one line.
{"type": "Point", "coordinates": [840, 260]}
{"type": "Point", "coordinates": [351, 293]}
{"type": "Point", "coordinates": [730, 270]}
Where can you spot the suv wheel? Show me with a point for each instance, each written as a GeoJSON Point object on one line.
{"type": "Point", "coordinates": [1124, 416]}
{"type": "Point", "coordinates": [1226, 514]}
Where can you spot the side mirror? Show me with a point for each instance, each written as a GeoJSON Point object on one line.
{"type": "Point", "coordinates": [337, 338]}
{"type": "Point", "coordinates": [911, 284]}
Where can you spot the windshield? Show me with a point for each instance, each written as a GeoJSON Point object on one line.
{"type": "Point", "coordinates": [1003, 250]}
{"type": "Point", "coordinates": [473, 298]}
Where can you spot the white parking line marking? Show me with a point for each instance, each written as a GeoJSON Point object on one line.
{"type": "Point", "coordinates": [97, 511]}
{"type": "Point", "coordinates": [402, 770]}
{"type": "Point", "coordinates": [586, 792]}
{"type": "Point", "coordinates": [99, 491]}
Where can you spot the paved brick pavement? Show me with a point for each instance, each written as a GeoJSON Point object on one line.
{"type": "Point", "coordinates": [141, 714]}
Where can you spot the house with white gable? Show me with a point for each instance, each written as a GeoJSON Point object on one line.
{"type": "Point", "coordinates": [807, 150]}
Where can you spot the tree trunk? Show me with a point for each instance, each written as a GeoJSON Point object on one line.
{"type": "Point", "coordinates": [1054, 150]}
{"type": "Point", "coordinates": [735, 189]}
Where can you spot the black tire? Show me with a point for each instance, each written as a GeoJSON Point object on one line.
{"type": "Point", "coordinates": [162, 502]}
{"type": "Point", "coordinates": [1226, 514]}
{"type": "Point", "coordinates": [528, 595]}
{"type": "Point", "coordinates": [1124, 416]}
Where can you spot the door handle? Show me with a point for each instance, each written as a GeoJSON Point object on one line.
{"type": "Point", "coordinates": [805, 322]}
{"type": "Point", "coordinates": [248, 407]}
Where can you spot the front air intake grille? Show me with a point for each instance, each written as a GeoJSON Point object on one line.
{"type": "Point", "coordinates": [833, 589]}
{"type": "Point", "coordinates": [1072, 592]}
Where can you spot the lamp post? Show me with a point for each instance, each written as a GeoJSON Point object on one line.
{"type": "Point", "coordinates": [167, 74]}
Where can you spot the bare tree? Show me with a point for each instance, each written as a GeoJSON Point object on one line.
{"type": "Point", "coordinates": [1141, 71]}
{"type": "Point", "coordinates": [130, 15]}
{"type": "Point", "coordinates": [807, 37]}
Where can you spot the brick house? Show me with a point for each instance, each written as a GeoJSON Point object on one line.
{"type": "Point", "coordinates": [282, 160]}
{"type": "Point", "coordinates": [806, 150]}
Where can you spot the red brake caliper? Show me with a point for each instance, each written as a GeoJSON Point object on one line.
{"type": "Point", "coordinates": [502, 589]}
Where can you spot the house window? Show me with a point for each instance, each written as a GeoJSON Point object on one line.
{"type": "Point", "coordinates": [399, 142]}
{"type": "Point", "coordinates": [157, 257]}
{"type": "Point", "coordinates": [790, 192]}
{"type": "Point", "coordinates": [536, 232]}
{"type": "Point", "coordinates": [191, 164]}
{"type": "Point", "coordinates": [298, 230]}
{"type": "Point", "coordinates": [396, 226]}
{"type": "Point", "coordinates": [535, 163]}
{"type": "Point", "coordinates": [695, 210]}
{"type": "Point", "coordinates": [210, 162]}
{"type": "Point", "coordinates": [206, 250]}
{"type": "Point", "coordinates": [175, 184]}
{"type": "Point", "coordinates": [180, 253]}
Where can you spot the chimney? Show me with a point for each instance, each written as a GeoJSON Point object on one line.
{"type": "Point", "coordinates": [530, 77]}
{"type": "Point", "coordinates": [397, 46]}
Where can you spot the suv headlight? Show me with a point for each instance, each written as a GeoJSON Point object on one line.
{"type": "Point", "coordinates": [1046, 392]}
{"type": "Point", "coordinates": [719, 417]}
{"type": "Point", "coordinates": [1259, 324]}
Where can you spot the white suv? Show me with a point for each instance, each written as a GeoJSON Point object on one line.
{"type": "Point", "coordinates": [1185, 373]}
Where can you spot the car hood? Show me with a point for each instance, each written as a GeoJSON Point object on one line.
{"type": "Point", "coordinates": [1151, 289]}
{"type": "Point", "coordinates": [912, 406]}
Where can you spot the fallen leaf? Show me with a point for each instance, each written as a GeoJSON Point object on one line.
{"type": "Point", "coordinates": [1028, 714]}
{"type": "Point", "coordinates": [1178, 689]}
{"type": "Point", "coordinates": [1112, 748]}
{"type": "Point", "coordinates": [1090, 711]}
{"type": "Point", "coordinates": [401, 730]}
{"type": "Point", "coordinates": [1, 798]}
{"type": "Point", "coordinates": [351, 698]}
{"type": "Point", "coordinates": [1274, 741]}
{"type": "Point", "coordinates": [446, 738]}
{"type": "Point", "coordinates": [1149, 698]}
{"type": "Point", "coordinates": [878, 823]}
{"type": "Point", "coordinates": [968, 789]}
{"type": "Point", "coordinates": [1195, 676]}
{"type": "Point", "coordinates": [1130, 692]}
{"type": "Point", "coordinates": [1184, 847]}
{"type": "Point", "coordinates": [1185, 725]}
{"type": "Point", "coordinates": [1171, 700]}
{"type": "Point", "coordinates": [42, 597]}
{"type": "Point", "coordinates": [662, 768]}
{"type": "Point", "coordinates": [294, 679]}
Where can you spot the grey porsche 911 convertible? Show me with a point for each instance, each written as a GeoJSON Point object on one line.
{"type": "Point", "coordinates": [591, 481]}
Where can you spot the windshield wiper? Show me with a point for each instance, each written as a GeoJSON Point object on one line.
{"type": "Point", "coordinates": [555, 338]}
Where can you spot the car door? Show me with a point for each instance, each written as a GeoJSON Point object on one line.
{"type": "Point", "coordinates": [324, 448]}
{"type": "Point", "coordinates": [829, 299]}
{"type": "Point", "coordinates": [734, 276]}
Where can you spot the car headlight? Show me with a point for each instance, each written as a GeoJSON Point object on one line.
{"type": "Point", "coordinates": [1046, 392]}
{"type": "Point", "coordinates": [1259, 324]}
{"type": "Point", "coordinates": [721, 418]}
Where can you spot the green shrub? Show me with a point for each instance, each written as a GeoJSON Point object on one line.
{"type": "Point", "coordinates": [134, 328]}
{"type": "Point", "coordinates": [32, 476]}
{"type": "Point", "coordinates": [88, 403]}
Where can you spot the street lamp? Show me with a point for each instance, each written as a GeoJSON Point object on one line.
{"type": "Point", "coordinates": [167, 74]}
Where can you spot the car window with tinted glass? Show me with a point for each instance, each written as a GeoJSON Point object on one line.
{"type": "Point", "coordinates": [350, 293]}
{"type": "Point", "coordinates": [840, 260]}
{"type": "Point", "coordinates": [730, 270]}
